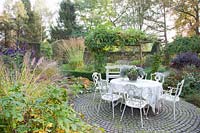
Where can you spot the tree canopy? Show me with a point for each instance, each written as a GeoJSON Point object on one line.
{"type": "Point", "coordinates": [20, 23]}
{"type": "Point", "coordinates": [187, 12]}
{"type": "Point", "coordinates": [66, 22]}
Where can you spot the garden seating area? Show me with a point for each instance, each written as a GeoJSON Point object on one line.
{"type": "Point", "coordinates": [96, 66]}
{"type": "Point", "coordinates": [125, 117]}
{"type": "Point", "coordinates": [187, 117]}
{"type": "Point", "coordinates": [134, 94]}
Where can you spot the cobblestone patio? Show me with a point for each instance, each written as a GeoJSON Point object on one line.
{"type": "Point", "coordinates": [187, 117]}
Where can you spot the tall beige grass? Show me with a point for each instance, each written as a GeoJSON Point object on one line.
{"type": "Point", "coordinates": [32, 78]}
{"type": "Point", "coordinates": [72, 51]}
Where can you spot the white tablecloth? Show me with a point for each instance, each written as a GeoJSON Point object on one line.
{"type": "Point", "coordinates": [152, 90]}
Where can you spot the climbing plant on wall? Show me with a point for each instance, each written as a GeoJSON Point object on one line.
{"type": "Point", "coordinates": [103, 38]}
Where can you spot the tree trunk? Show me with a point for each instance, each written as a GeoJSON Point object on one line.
{"type": "Point", "coordinates": [165, 24]}
{"type": "Point", "coordinates": [5, 33]}
{"type": "Point", "coordinates": [197, 21]}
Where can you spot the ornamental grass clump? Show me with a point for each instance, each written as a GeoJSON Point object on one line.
{"type": "Point", "coordinates": [70, 51]}
{"type": "Point", "coordinates": [31, 103]}
{"type": "Point", "coordinates": [74, 51]}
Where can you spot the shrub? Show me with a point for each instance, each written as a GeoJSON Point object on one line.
{"type": "Point", "coordinates": [191, 74]}
{"type": "Point", "coordinates": [12, 57]}
{"type": "Point", "coordinates": [75, 85]}
{"type": "Point", "coordinates": [58, 51]}
{"type": "Point", "coordinates": [30, 103]}
{"type": "Point", "coordinates": [156, 62]}
{"type": "Point", "coordinates": [136, 62]}
{"type": "Point", "coordinates": [185, 59]}
{"type": "Point", "coordinates": [148, 61]}
{"type": "Point", "coordinates": [184, 44]}
{"type": "Point", "coordinates": [46, 50]}
{"type": "Point", "coordinates": [84, 74]}
{"type": "Point", "coordinates": [173, 78]}
{"type": "Point", "coordinates": [102, 39]}
{"type": "Point", "coordinates": [194, 98]}
{"type": "Point", "coordinates": [181, 45]}
{"type": "Point", "coordinates": [192, 80]}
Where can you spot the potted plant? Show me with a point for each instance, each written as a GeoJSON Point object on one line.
{"type": "Point", "coordinates": [132, 74]}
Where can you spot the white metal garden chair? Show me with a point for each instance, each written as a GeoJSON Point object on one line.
{"type": "Point", "coordinates": [141, 73]}
{"type": "Point", "coordinates": [107, 94]}
{"type": "Point", "coordinates": [172, 95]}
{"type": "Point", "coordinates": [134, 99]}
{"type": "Point", "coordinates": [159, 77]}
{"type": "Point", "coordinates": [96, 77]}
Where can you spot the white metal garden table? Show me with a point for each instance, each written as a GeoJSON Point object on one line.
{"type": "Point", "coordinates": [152, 90]}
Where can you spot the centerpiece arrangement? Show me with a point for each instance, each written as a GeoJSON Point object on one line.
{"type": "Point", "coordinates": [131, 73]}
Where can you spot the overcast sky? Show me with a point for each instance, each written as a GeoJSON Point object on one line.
{"type": "Point", "coordinates": [53, 5]}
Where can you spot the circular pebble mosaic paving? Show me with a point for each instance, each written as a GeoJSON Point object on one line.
{"type": "Point", "coordinates": [187, 117]}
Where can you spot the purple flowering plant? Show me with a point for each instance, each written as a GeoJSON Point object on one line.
{"type": "Point", "coordinates": [13, 56]}
{"type": "Point", "coordinates": [185, 59]}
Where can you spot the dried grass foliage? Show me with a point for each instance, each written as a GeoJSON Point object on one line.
{"type": "Point", "coordinates": [74, 48]}
{"type": "Point", "coordinates": [69, 50]}
{"type": "Point", "coordinates": [33, 77]}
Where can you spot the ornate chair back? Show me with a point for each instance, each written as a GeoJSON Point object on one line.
{"type": "Point", "coordinates": [96, 77]}
{"type": "Point", "coordinates": [134, 93]}
{"type": "Point", "coordinates": [141, 73]}
{"type": "Point", "coordinates": [179, 88]}
{"type": "Point", "coordinates": [157, 76]}
{"type": "Point", "coordinates": [104, 87]}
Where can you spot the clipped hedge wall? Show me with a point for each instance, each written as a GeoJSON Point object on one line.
{"type": "Point", "coordinates": [184, 44]}
{"type": "Point", "coordinates": [84, 74]}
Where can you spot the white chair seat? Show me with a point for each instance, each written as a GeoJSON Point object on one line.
{"type": "Point", "coordinates": [136, 103]}
{"type": "Point", "coordinates": [107, 94]}
{"type": "Point", "coordinates": [169, 97]}
{"type": "Point", "coordinates": [111, 97]}
{"type": "Point", "coordinates": [97, 88]}
{"type": "Point", "coordinates": [133, 99]}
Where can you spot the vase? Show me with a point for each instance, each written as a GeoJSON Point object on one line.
{"type": "Point", "coordinates": [132, 77]}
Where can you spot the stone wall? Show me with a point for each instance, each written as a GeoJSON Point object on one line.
{"type": "Point", "coordinates": [113, 57]}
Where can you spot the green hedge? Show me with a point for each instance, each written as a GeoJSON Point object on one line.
{"type": "Point", "coordinates": [105, 38]}
{"type": "Point", "coordinates": [184, 44]}
{"type": "Point", "coordinates": [84, 74]}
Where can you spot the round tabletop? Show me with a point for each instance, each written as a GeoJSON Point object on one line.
{"type": "Point", "coordinates": [140, 83]}
{"type": "Point", "coordinates": [151, 90]}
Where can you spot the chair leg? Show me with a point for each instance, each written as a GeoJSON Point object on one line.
{"type": "Point", "coordinates": [146, 112]}
{"type": "Point", "coordinates": [94, 95]}
{"type": "Point", "coordinates": [99, 107]}
{"type": "Point", "coordinates": [141, 117]}
{"type": "Point", "coordinates": [123, 112]}
{"type": "Point", "coordinates": [159, 106]}
{"type": "Point", "coordinates": [174, 110]}
{"type": "Point", "coordinates": [110, 104]}
{"type": "Point", "coordinates": [113, 109]}
{"type": "Point", "coordinates": [131, 111]}
{"type": "Point", "coordinates": [121, 106]}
